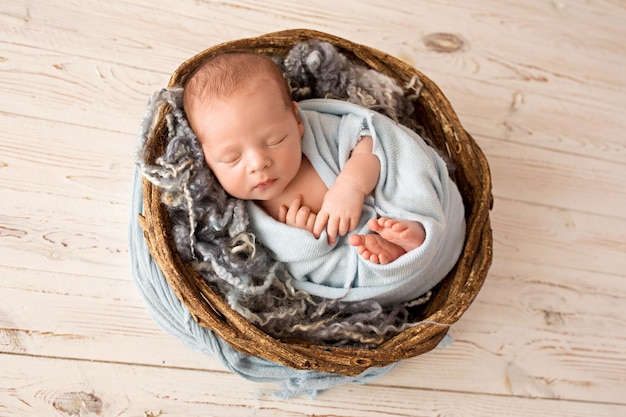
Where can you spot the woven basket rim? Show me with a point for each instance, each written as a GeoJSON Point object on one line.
{"type": "Point", "coordinates": [461, 286]}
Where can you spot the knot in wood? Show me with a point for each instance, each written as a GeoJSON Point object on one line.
{"type": "Point", "coordinates": [361, 362]}
{"type": "Point", "coordinates": [444, 42]}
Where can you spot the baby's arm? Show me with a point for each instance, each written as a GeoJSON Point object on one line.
{"type": "Point", "coordinates": [343, 203]}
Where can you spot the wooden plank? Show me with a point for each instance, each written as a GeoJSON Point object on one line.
{"type": "Point", "coordinates": [42, 386]}
{"type": "Point", "coordinates": [559, 237]}
{"type": "Point", "coordinates": [555, 297]}
{"type": "Point", "coordinates": [75, 90]}
{"type": "Point", "coordinates": [552, 178]}
{"type": "Point", "coordinates": [155, 39]}
{"type": "Point", "coordinates": [84, 316]}
{"type": "Point", "coordinates": [59, 160]}
{"type": "Point", "coordinates": [64, 234]}
{"type": "Point", "coordinates": [559, 124]}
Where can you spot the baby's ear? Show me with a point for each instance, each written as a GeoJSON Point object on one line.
{"type": "Point", "coordinates": [297, 113]}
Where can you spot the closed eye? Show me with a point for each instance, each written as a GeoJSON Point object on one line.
{"type": "Point", "coordinates": [277, 142]}
{"type": "Point", "coordinates": [230, 159]}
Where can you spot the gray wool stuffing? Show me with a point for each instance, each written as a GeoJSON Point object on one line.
{"type": "Point", "coordinates": [210, 228]}
{"type": "Point", "coordinates": [315, 69]}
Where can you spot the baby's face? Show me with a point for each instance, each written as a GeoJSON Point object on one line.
{"type": "Point", "coordinates": [251, 141]}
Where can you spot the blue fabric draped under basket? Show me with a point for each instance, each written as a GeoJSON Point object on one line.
{"type": "Point", "coordinates": [169, 313]}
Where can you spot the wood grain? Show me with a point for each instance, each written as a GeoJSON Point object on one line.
{"type": "Point", "coordinates": [85, 388]}
{"type": "Point", "coordinates": [541, 87]}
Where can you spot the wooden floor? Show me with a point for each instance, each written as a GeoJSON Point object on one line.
{"type": "Point", "coordinates": [541, 85]}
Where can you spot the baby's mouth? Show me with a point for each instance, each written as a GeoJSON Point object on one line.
{"type": "Point", "coordinates": [265, 184]}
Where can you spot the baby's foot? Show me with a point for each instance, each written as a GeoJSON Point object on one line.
{"type": "Point", "coordinates": [405, 233]}
{"type": "Point", "coordinates": [393, 238]}
{"type": "Point", "coordinates": [376, 249]}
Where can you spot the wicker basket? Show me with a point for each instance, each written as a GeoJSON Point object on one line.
{"type": "Point", "coordinates": [450, 298]}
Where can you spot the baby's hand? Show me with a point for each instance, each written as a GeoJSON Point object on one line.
{"type": "Point", "coordinates": [340, 212]}
{"type": "Point", "coordinates": [297, 215]}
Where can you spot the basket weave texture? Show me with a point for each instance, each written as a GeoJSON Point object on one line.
{"type": "Point", "coordinates": [450, 298]}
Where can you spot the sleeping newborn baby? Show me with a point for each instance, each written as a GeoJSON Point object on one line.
{"type": "Point", "coordinates": [356, 206]}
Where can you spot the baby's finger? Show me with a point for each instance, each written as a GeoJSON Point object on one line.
{"type": "Point", "coordinates": [320, 223]}
{"type": "Point", "coordinates": [354, 222]}
{"type": "Point", "coordinates": [332, 228]}
{"type": "Point", "coordinates": [295, 203]}
{"type": "Point", "coordinates": [310, 221]}
{"type": "Point", "coordinates": [282, 214]}
{"type": "Point", "coordinates": [292, 212]}
{"type": "Point", "coordinates": [344, 225]}
{"type": "Point", "coordinates": [302, 216]}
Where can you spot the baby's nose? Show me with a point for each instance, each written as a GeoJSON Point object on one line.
{"type": "Point", "coordinates": [258, 161]}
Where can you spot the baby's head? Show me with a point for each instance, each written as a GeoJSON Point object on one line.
{"type": "Point", "coordinates": [223, 76]}
{"type": "Point", "coordinates": [239, 106]}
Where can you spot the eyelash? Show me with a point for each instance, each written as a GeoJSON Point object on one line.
{"type": "Point", "coordinates": [231, 160]}
{"type": "Point", "coordinates": [279, 142]}
{"type": "Point", "coordinates": [234, 160]}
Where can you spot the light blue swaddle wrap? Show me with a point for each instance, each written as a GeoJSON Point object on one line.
{"type": "Point", "coordinates": [414, 184]}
